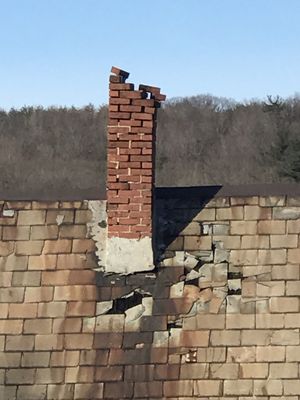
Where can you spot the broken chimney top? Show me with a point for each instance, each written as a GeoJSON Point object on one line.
{"type": "Point", "coordinates": [130, 180]}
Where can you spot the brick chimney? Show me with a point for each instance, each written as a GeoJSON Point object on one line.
{"type": "Point", "coordinates": [130, 179]}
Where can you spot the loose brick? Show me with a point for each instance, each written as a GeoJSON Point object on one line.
{"type": "Point", "coordinates": [88, 391]}
{"type": "Point", "coordinates": [29, 248]}
{"type": "Point", "coordinates": [35, 359]}
{"type": "Point", "coordinates": [44, 205]}
{"type": "Point", "coordinates": [10, 360]}
{"type": "Point", "coordinates": [78, 308]}
{"type": "Point", "coordinates": [270, 353]}
{"type": "Point", "coordinates": [223, 371]}
{"type": "Point", "coordinates": [110, 323]}
{"type": "Point", "coordinates": [67, 325]}
{"type": "Point", "coordinates": [211, 354]}
{"type": "Point", "coordinates": [38, 326]}
{"type": "Point", "coordinates": [274, 256]}
{"type": "Point", "coordinates": [12, 295]}
{"type": "Point", "coordinates": [148, 389]}
{"type": "Point", "coordinates": [230, 213]}
{"type": "Point", "coordinates": [241, 354]}
{"type": "Point", "coordinates": [72, 261]}
{"type": "Point", "coordinates": [181, 388]}
{"type": "Point", "coordinates": [206, 388]}
{"type": "Point", "coordinates": [289, 271]}
{"type": "Point", "coordinates": [283, 370]}
{"type": "Point", "coordinates": [256, 337]}
{"type": "Point", "coordinates": [142, 373]}
{"type": "Point", "coordinates": [8, 392]}
{"type": "Point", "coordinates": [268, 387]}
{"type": "Point", "coordinates": [75, 292]}
{"type": "Point", "coordinates": [93, 357]}
{"type": "Point", "coordinates": [238, 321]}
{"type": "Point", "coordinates": [225, 338]}
{"type": "Point", "coordinates": [27, 278]}
{"type": "Point", "coordinates": [64, 358]}
{"type": "Point", "coordinates": [31, 217]}
{"type": "Point", "coordinates": [284, 241]}
{"type": "Point", "coordinates": [271, 227]}
{"type": "Point", "coordinates": [19, 343]}
{"type": "Point", "coordinates": [14, 263]}
{"type": "Point", "coordinates": [238, 387]}
{"type": "Point", "coordinates": [271, 288]}
{"type": "Point", "coordinates": [5, 279]}
{"type": "Point", "coordinates": [73, 231]}
{"type": "Point", "coordinates": [79, 374]}
{"type": "Point", "coordinates": [257, 213]}
{"type": "Point", "coordinates": [43, 262]}
{"type": "Point", "coordinates": [48, 342]}
{"type": "Point", "coordinates": [189, 339]}
{"type": "Point", "coordinates": [16, 233]}
{"type": "Point", "coordinates": [138, 356]}
{"type": "Point", "coordinates": [204, 322]}
{"type": "Point", "coordinates": [243, 257]}
{"type": "Point", "coordinates": [243, 227]}
{"type": "Point", "coordinates": [19, 376]}
{"type": "Point", "coordinates": [293, 226]}
{"type": "Point", "coordinates": [104, 374]}
{"type": "Point", "coordinates": [291, 386]}
{"type": "Point", "coordinates": [44, 232]}
{"type": "Point", "coordinates": [52, 309]}
{"type": "Point", "coordinates": [294, 256]}
{"type": "Point", "coordinates": [38, 294]}
{"type": "Point", "coordinates": [255, 242]}
{"type": "Point", "coordinates": [78, 341]}
{"type": "Point", "coordinates": [284, 304]}
{"type": "Point", "coordinates": [254, 370]}
{"type": "Point", "coordinates": [60, 392]}
{"type": "Point", "coordinates": [57, 246]}
{"type": "Point", "coordinates": [50, 375]}
{"type": "Point", "coordinates": [53, 216]}
{"type": "Point", "coordinates": [83, 246]}
{"type": "Point", "coordinates": [67, 277]}
{"type": "Point", "coordinates": [108, 340]}
{"type": "Point", "coordinates": [34, 392]}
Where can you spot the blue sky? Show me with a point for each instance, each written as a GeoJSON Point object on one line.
{"type": "Point", "coordinates": [59, 52]}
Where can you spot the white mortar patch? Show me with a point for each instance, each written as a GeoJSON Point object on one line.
{"type": "Point", "coordinates": [126, 256]}
{"type": "Point", "coordinates": [97, 229]}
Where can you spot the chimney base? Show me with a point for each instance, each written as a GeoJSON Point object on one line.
{"type": "Point", "coordinates": [127, 256]}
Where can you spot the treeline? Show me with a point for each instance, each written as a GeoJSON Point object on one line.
{"type": "Point", "coordinates": [201, 140]}
{"type": "Point", "coordinates": [209, 140]}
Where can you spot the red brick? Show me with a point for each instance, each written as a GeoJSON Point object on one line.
{"type": "Point", "coordinates": [136, 94]}
{"type": "Point", "coordinates": [130, 108]}
{"type": "Point", "coordinates": [142, 116]}
{"type": "Point", "coordinates": [119, 72]}
{"type": "Point", "coordinates": [144, 102]}
{"type": "Point", "coordinates": [117, 100]}
{"type": "Point", "coordinates": [121, 86]}
{"type": "Point", "coordinates": [119, 115]}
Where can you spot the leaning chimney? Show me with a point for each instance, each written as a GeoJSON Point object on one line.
{"type": "Point", "coordinates": [130, 174]}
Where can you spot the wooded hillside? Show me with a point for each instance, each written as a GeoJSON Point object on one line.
{"type": "Point", "coordinates": [202, 140]}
